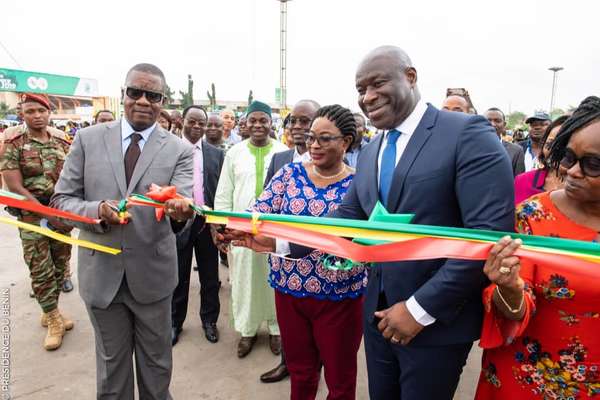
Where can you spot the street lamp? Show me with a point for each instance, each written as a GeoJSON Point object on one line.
{"type": "Point", "coordinates": [283, 53]}
{"type": "Point", "coordinates": [554, 71]}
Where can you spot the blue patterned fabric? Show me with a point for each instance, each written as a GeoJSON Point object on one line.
{"type": "Point", "coordinates": [291, 192]}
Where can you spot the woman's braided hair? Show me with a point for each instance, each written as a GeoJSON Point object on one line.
{"type": "Point", "coordinates": [341, 117]}
{"type": "Point", "coordinates": [587, 113]}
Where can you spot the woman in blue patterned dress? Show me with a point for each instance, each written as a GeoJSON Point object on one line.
{"type": "Point", "coordinates": [319, 310]}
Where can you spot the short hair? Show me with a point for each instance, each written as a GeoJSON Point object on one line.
{"type": "Point", "coordinates": [311, 102]}
{"type": "Point", "coordinates": [103, 111]}
{"type": "Point", "coordinates": [149, 69]}
{"type": "Point", "coordinates": [587, 113]}
{"type": "Point", "coordinates": [342, 118]}
{"type": "Point", "coordinates": [497, 110]}
{"type": "Point", "coordinates": [165, 114]}
{"type": "Point", "coordinates": [188, 108]}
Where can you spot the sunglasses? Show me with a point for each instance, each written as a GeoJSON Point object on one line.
{"type": "Point", "coordinates": [323, 141]}
{"type": "Point", "coordinates": [590, 165]}
{"type": "Point", "coordinates": [136, 94]}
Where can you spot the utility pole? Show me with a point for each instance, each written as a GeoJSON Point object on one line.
{"type": "Point", "coordinates": [554, 80]}
{"type": "Point", "coordinates": [283, 53]}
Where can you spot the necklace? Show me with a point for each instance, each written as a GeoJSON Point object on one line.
{"type": "Point", "coordinates": [330, 176]}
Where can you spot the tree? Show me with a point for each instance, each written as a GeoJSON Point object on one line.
{"type": "Point", "coordinates": [250, 97]}
{"type": "Point", "coordinates": [515, 119]}
{"type": "Point", "coordinates": [6, 110]}
{"type": "Point", "coordinates": [187, 98]}
{"type": "Point", "coordinates": [168, 96]}
{"type": "Point", "coordinates": [212, 97]}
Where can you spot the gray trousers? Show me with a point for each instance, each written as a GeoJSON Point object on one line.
{"type": "Point", "coordinates": [125, 329]}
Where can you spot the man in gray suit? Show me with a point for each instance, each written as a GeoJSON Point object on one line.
{"type": "Point", "coordinates": [128, 296]}
{"type": "Point", "coordinates": [495, 116]}
{"type": "Point", "coordinates": [300, 119]}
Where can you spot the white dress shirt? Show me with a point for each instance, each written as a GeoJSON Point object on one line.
{"type": "Point", "coordinates": [305, 157]}
{"type": "Point", "coordinates": [126, 132]}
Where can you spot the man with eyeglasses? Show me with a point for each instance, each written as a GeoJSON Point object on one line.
{"type": "Point", "coordinates": [128, 296]}
{"type": "Point", "coordinates": [300, 118]}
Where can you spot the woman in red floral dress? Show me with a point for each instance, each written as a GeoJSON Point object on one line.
{"type": "Point", "coordinates": [541, 331]}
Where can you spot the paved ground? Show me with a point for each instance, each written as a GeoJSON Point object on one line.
{"type": "Point", "coordinates": [201, 370]}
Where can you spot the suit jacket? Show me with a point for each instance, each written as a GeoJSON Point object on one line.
{"type": "Point", "coordinates": [517, 157]}
{"type": "Point", "coordinates": [94, 171]}
{"type": "Point", "coordinates": [212, 163]}
{"type": "Point", "coordinates": [453, 172]}
{"type": "Point", "coordinates": [277, 162]}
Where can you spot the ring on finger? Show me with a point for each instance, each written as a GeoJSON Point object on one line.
{"type": "Point", "coordinates": [394, 340]}
{"type": "Point", "coordinates": [504, 270]}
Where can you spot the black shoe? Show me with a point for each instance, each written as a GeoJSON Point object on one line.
{"type": "Point", "coordinates": [211, 332]}
{"type": "Point", "coordinates": [67, 285]}
{"type": "Point", "coordinates": [277, 374]}
{"type": "Point", "coordinates": [175, 335]}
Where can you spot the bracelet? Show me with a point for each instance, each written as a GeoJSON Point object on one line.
{"type": "Point", "coordinates": [513, 311]}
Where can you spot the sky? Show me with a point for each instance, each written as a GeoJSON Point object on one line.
{"type": "Point", "coordinates": [499, 51]}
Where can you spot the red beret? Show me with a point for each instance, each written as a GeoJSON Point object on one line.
{"type": "Point", "coordinates": [38, 98]}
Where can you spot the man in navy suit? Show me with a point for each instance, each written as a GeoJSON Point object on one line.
{"type": "Point", "coordinates": [448, 169]}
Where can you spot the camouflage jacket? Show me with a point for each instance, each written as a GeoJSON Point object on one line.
{"type": "Point", "coordinates": [40, 163]}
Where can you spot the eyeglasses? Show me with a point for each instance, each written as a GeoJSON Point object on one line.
{"type": "Point", "coordinates": [136, 94]}
{"type": "Point", "coordinates": [590, 165]}
{"type": "Point", "coordinates": [302, 120]}
{"type": "Point", "coordinates": [323, 141]}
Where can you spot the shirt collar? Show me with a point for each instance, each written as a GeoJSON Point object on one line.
{"type": "Point", "coordinates": [127, 130]}
{"type": "Point", "coordinates": [409, 125]}
{"type": "Point", "coordinates": [197, 145]}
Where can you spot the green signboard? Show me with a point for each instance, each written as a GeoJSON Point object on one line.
{"type": "Point", "coordinates": [12, 80]}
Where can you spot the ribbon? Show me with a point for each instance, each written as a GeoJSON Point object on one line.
{"type": "Point", "coordinates": [384, 239]}
{"type": "Point", "coordinates": [17, 201]}
{"type": "Point", "coordinates": [418, 248]}
{"type": "Point", "coordinates": [156, 197]}
{"type": "Point", "coordinates": [60, 237]}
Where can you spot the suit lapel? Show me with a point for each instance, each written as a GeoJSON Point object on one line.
{"type": "Point", "coordinates": [155, 142]}
{"type": "Point", "coordinates": [114, 149]}
{"type": "Point", "coordinates": [414, 146]}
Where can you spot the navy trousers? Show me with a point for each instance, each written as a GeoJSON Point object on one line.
{"type": "Point", "coordinates": [399, 372]}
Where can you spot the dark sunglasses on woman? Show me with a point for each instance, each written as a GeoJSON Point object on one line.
{"type": "Point", "coordinates": [590, 165]}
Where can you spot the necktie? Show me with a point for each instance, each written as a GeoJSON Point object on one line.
{"type": "Point", "coordinates": [131, 156]}
{"type": "Point", "coordinates": [198, 179]}
{"type": "Point", "coordinates": [388, 164]}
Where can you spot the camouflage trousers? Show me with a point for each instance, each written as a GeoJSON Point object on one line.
{"type": "Point", "coordinates": [47, 260]}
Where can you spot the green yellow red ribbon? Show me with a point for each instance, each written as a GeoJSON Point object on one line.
{"type": "Point", "coordinates": [17, 201]}
{"type": "Point", "coordinates": [60, 237]}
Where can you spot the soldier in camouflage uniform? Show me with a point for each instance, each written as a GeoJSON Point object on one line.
{"type": "Point", "coordinates": [13, 131]}
{"type": "Point", "coordinates": [31, 162]}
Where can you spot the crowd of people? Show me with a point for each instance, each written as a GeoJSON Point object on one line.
{"type": "Point", "coordinates": [418, 319]}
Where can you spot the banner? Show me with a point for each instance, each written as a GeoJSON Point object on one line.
{"type": "Point", "coordinates": [13, 80]}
